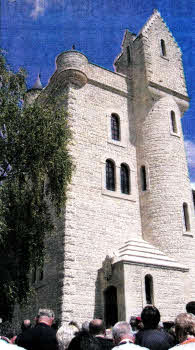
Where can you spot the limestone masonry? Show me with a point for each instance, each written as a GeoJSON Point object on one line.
{"type": "Point", "coordinates": [127, 236]}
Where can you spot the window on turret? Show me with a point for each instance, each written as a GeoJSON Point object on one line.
{"type": "Point", "coordinates": [193, 198]}
{"type": "Point", "coordinates": [115, 127]}
{"type": "Point", "coordinates": [173, 123]}
{"type": "Point", "coordinates": [125, 179]}
{"type": "Point", "coordinates": [110, 175]}
{"type": "Point", "coordinates": [34, 274]}
{"type": "Point", "coordinates": [163, 48]}
{"type": "Point", "coordinates": [41, 274]}
{"type": "Point", "coordinates": [149, 289]}
{"type": "Point", "coordinates": [128, 55]}
{"type": "Point", "coordinates": [186, 217]}
{"type": "Point", "coordinates": [37, 274]}
{"type": "Point", "coordinates": [143, 178]}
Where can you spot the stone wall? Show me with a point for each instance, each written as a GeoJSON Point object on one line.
{"type": "Point", "coordinates": [98, 221]}
{"type": "Point", "coordinates": [169, 298]}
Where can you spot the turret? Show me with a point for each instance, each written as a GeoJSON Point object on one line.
{"type": "Point", "coordinates": [34, 92]}
{"type": "Point", "coordinates": [71, 68]}
{"type": "Point", "coordinates": [160, 99]}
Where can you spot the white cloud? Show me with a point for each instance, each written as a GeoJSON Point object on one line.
{"type": "Point", "coordinates": [190, 150]}
{"type": "Point", "coordinates": [39, 8]}
{"type": "Point", "coordinates": [193, 185]}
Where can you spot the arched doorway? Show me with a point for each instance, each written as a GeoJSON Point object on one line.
{"type": "Point", "coordinates": [110, 306]}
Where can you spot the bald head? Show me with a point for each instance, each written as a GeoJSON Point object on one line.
{"type": "Point", "coordinates": [25, 325]}
{"type": "Point", "coordinates": [97, 327]}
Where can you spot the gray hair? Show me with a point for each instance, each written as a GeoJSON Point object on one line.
{"type": "Point", "coordinates": [46, 312]}
{"type": "Point", "coordinates": [64, 336]}
{"type": "Point", "coordinates": [184, 326]}
{"type": "Point", "coordinates": [85, 326]}
{"type": "Point", "coordinates": [121, 329]}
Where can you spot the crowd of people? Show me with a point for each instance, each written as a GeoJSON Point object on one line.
{"type": "Point", "coordinates": [146, 332]}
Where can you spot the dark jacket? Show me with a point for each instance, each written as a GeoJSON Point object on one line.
{"type": "Point", "coordinates": [105, 344]}
{"type": "Point", "coordinates": [41, 337]}
{"type": "Point", "coordinates": [154, 339]}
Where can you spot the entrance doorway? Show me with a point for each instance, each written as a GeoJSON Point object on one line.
{"type": "Point", "coordinates": [110, 306]}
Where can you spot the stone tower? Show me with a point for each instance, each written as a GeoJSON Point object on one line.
{"type": "Point", "coordinates": [127, 237]}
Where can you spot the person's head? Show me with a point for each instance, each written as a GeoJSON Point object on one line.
{"type": "Point", "coordinates": [190, 307]}
{"type": "Point", "coordinates": [184, 326]}
{"type": "Point", "coordinates": [150, 317]}
{"type": "Point", "coordinates": [139, 323]}
{"type": "Point", "coordinates": [64, 335]}
{"type": "Point", "coordinates": [97, 327]}
{"type": "Point", "coordinates": [120, 331]}
{"type": "Point", "coordinates": [133, 322]}
{"type": "Point", "coordinates": [85, 326]}
{"type": "Point", "coordinates": [45, 316]}
{"type": "Point", "coordinates": [25, 325]}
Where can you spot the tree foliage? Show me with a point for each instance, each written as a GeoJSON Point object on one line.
{"type": "Point", "coordinates": [35, 165]}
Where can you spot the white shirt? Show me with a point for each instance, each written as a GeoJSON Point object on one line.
{"type": "Point", "coordinates": [7, 346]}
{"type": "Point", "coordinates": [188, 346]}
{"type": "Point", "coordinates": [126, 344]}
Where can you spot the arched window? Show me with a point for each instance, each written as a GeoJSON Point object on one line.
{"type": "Point", "coordinates": [115, 127]}
{"type": "Point", "coordinates": [186, 217]}
{"type": "Point", "coordinates": [149, 289]}
{"type": "Point", "coordinates": [163, 48]}
{"type": "Point", "coordinates": [125, 177]}
{"type": "Point", "coordinates": [143, 178]}
{"type": "Point", "coordinates": [110, 175]}
{"type": "Point", "coordinates": [173, 122]}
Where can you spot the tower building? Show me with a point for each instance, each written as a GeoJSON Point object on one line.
{"type": "Point", "coordinates": [127, 235]}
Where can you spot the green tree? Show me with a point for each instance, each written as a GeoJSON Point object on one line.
{"type": "Point", "coordinates": [35, 169]}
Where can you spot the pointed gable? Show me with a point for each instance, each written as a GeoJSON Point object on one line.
{"type": "Point", "coordinates": [162, 55]}
{"type": "Point", "coordinates": [156, 21]}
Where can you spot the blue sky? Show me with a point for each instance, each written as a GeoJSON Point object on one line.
{"type": "Point", "coordinates": [34, 32]}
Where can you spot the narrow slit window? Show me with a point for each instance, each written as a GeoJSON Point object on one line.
{"type": "Point", "coordinates": [149, 289]}
{"type": "Point", "coordinates": [41, 274]}
{"type": "Point", "coordinates": [193, 198]}
{"type": "Point", "coordinates": [125, 179]}
{"type": "Point", "coordinates": [115, 127]}
{"type": "Point", "coordinates": [110, 175]}
{"type": "Point", "coordinates": [173, 122]}
{"type": "Point", "coordinates": [163, 48]}
{"type": "Point", "coordinates": [34, 274]}
{"type": "Point", "coordinates": [143, 178]}
{"type": "Point", "coordinates": [128, 55]}
{"type": "Point", "coordinates": [186, 217]}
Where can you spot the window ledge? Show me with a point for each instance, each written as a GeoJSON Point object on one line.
{"type": "Point", "coordinates": [144, 192]}
{"type": "Point", "coordinates": [175, 134]}
{"type": "Point", "coordinates": [164, 57]}
{"type": "Point", "coordinates": [117, 143]}
{"type": "Point", "coordinates": [188, 234]}
{"type": "Point", "coordinates": [127, 197]}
